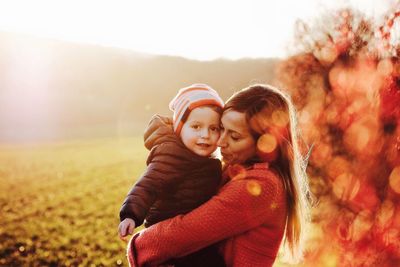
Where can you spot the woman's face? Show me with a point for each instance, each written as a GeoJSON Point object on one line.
{"type": "Point", "coordinates": [236, 142]}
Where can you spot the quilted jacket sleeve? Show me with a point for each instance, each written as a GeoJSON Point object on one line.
{"type": "Point", "coordinates": [240, 206]}
{"type": "Point", "coordinates": [161, 171]}
{"type": "Point", "coordinates": [158, 127]}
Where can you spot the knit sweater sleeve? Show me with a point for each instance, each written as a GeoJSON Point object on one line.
{"type": "Point", "coordinates": [162, 171]}
{"type": "Point", "coordinates": [240, 206]}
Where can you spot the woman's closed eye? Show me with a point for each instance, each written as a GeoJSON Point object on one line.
{"type": "Point", "coordinates": [235, 137]}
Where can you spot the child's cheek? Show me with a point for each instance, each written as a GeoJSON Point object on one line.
{"type": "Point", "coordinates": [216, 136]}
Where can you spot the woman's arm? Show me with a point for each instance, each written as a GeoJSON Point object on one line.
{"type": "Point", "coordinates": [236, 209]}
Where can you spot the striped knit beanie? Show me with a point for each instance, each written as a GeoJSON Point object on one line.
{"type": "Point", "coordinates": [191, 97]}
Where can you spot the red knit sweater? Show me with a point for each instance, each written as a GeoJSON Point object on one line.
{"type": "Point", "coordinates": [248, 214]}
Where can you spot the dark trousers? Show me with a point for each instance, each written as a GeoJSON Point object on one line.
{"type": "Point", "coordinates": [207, 257]}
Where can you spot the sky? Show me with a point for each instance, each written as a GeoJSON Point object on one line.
{"type": "Point", "coordinates": [202, 30]}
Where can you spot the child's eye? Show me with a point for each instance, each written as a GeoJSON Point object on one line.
{"type": "Point", "coordinates": [214, 129]}
{"type": "Point", "coordinates": [196, 127]}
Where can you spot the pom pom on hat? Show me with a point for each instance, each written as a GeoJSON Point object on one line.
{"type": "Point", "coordinates": [191, 97]}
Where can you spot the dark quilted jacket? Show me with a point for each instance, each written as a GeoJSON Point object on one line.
{"type": "Point", "coordinates": [176, 181]}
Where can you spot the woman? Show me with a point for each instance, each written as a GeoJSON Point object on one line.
{"type": "Point", "coordinates": [263, 201]}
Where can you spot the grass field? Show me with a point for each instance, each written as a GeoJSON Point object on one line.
{"type": "Point", "coordinates": [60, 202]}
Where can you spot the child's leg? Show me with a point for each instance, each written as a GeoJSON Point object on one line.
{"type": "Point", "coordinates": [208, 256]}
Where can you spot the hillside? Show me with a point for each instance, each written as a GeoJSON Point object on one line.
{"type": "Point", "coordinates": [55, 90]}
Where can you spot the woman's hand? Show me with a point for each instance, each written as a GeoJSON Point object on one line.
{"type": "Point", "coordinates": [125, 228]}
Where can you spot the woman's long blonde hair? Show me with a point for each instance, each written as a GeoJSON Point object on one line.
{"type": "Point", "coordinates": [264, 104]}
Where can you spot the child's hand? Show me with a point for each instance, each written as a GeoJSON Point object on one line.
{"type": "Point", "coordinates": [125, 228]}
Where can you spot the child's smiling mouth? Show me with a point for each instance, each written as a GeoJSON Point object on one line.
{"type": "Point", "coordinates": [203, 145]}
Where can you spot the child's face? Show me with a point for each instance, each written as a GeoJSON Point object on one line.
{"type": "Point", "coordinates": [200, 132]}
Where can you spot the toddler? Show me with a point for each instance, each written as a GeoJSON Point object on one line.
{"type": "Point", "coordinates": [181, 173]}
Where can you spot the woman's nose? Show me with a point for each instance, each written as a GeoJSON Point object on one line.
{"type": "Point", "coordinates": [222, 140]}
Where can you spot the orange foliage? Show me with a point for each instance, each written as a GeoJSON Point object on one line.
{"type": "Point", "coordinates": [345, 82]}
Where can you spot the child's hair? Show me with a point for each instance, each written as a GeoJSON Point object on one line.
{"type": "Point", "coordinates": [191, 97]}
{"type": "Point", "coordinates": [266, 107]}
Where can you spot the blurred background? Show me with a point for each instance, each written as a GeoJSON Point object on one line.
{"type": "Point", "coordinates": [80, 80]}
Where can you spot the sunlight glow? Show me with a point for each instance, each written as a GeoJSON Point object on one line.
{"type": "Point", "coordinates": [26, 102]}
{"type": "Point", "coordinates": [394, 179]}
{"type": "Point", "coordinates": [201, 30]}
{"type": "Point", "coordinates": [254, 188]}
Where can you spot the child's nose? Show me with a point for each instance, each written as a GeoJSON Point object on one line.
{"type": "Point", "coordinates": [204, 133]}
